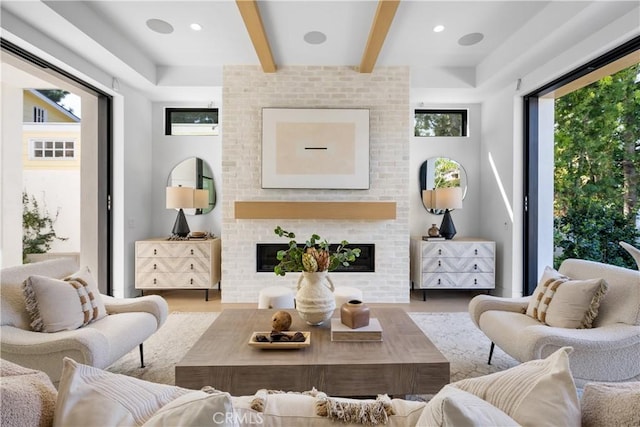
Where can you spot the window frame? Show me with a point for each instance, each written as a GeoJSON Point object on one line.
{"type": "Point", "coordinates": [34, 141]}
{"type": "Point", "coordinates": [464, 113]}
{"type": "Point", "coordinates": [168, 111]}
{"type": "Point", "coordinates": [531, 202]}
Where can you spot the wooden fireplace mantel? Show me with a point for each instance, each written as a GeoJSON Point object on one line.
{"type": "Point", "coordinates": [315, 210]}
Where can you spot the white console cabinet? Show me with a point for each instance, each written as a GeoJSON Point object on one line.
{"type": "Point", "coordinates": [452, 264]}
{"type": "Point", "coordinates": [178, 264]}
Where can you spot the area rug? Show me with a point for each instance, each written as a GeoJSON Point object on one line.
{"type": "Point", "coordinates": [466, 348]}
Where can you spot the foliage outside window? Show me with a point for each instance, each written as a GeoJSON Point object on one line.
{"type": "Point", "coordinates": [37, 227]}
{"type": "Point", "coordinates": [52, 149]}
{"type": "Point", "coordinates": [440, 123]}
{"type": "Point", "coordinates": [447, 173]}
{"type": "Point", "coordinates": [597, 162]}
{"type": "Point", "coordinates": [191, 121]}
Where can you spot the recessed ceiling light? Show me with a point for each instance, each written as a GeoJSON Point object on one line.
{"type": "Point", "coordinates": [438, 28]}
{"type": "Point", "coordinates": [195, 26]}
{"type": "Point", "coordinates": [470, 39]}
{"type": "Point", "coordinates": [159, 26]}
{"type": "Point", "coordinates": [315, 37]}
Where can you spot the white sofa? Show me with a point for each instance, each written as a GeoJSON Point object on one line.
{"type": "Point", "coordinates": [607, 352]}
{"type": "Point", "coordinates": [129, 322]}
{"type": "Point", "coordinates": [540, 393]}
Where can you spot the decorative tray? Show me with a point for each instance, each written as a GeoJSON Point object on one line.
{"type": "Point", "coordinates": [279, 345]}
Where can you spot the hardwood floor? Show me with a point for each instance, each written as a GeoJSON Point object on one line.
{"type": "Point", "coordinates": [437, 301]}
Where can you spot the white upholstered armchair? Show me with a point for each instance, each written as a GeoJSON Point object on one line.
{"type": "Point", "coordinates": [129, 322]}
{"type": "Point", "coordinates": [610, 351]}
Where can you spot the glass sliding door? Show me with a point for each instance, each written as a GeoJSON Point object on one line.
{"type": "Point", "coordinates": [58, 163]}
{"type": "Point", "coordinates": [581, 156]}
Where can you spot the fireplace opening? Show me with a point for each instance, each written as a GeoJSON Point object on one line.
{"type": "Point", "coordinates": [266, 257]}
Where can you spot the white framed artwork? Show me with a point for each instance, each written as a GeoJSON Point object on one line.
{"type": "Point", "coordinates": [315, 148]}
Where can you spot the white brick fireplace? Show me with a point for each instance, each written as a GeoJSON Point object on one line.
{"type": "Point", "coordinates": [385, 92]}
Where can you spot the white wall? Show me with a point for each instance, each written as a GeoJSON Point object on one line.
{"type": "Point", "coordinates": [45, 186]}
{"type": "Point", "coordinates": [10, 193]}
{"type": "Point", "coordinates": [132, 192]}
{"type": "Point", "coordinates": [464, 150]}
{"type": "Point", "coordinates": [167, 152]}
{"type": "Point", "coordinates": [501, 183]}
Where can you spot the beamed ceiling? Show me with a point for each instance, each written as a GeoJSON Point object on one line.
{"type": "Point", "coordinates": [484, 44]}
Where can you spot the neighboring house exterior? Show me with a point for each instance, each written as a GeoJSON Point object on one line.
{"type": "Point", "coordinates": [51, 151]}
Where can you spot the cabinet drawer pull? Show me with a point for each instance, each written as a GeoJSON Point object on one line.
{"type": "Point", "coordinates": [475, 281]}
{"type": "Point", "coordinates": [475, 266]}
{"type": "Point", "coordinates": [191, 281]}
{"type": "Point", "coordinates": [192, 266]}
{"type": "Point", "coordinates": [155, 267]}
{"type": "Point", "coordinates": [155, 281]}
{"type": "Point", "coordinates": [155, 252]}
{"type": "Point", "coordinates": [475, 251]}
{"type": "Point", "coordinates": [439, 251]}
{"type": "Point", "coordinates": [439, 263]}
{"type": "Point", "coordinates": [191, 251]}
{"type": "Point", "coordinates": [438, 281]}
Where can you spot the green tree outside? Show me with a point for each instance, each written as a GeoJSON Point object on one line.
{"type": "Point", "coordinates": [37, 227]}
{"type": "Point", "coordinates": [437, 124]}
{"type": "Point", "coordinates": [597, 159]}
{"type": "Point", "coordinates": [56, 95]}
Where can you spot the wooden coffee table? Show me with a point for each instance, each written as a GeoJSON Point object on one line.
{"type": "Point", "coordinates": [405, 362]}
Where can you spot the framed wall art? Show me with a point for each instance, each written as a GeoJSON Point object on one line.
{"type": "Point", "coordinates": [315, 148]}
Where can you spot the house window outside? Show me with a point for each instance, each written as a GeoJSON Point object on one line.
{"type": "Point", "coordinates": [441, 123]}
{"type": "Point", "coordinates": [50, 149]}
{"type": "Point", "coordinates": [39, 115]}
{"type": "Point", "coordinates": [191, 121]}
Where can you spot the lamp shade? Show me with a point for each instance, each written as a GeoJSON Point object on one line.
{"type": "Point", "coordinates": [201, 198]}
{"type": "Point", "coordinates": [448, 198]}
{"type": "Point", "coordinates": [179, 197]}
{"type": "Point", "coordinates": [427, 199]}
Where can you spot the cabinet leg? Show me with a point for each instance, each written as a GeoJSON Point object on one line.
{"type": "Point", "coordinates": [206, 294]}
{"type": "Point", "coordinates": [424, 295]}
{"type": "Point", "coordinates": [141, 292]}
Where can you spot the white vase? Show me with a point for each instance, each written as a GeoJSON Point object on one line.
{"type": "Point", "coordinates": [315, 301]}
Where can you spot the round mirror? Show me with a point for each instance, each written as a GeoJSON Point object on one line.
{"type": "Point", "coordinates": [441, 172]}
{"type": "Point", "coordinates": [195, 173]}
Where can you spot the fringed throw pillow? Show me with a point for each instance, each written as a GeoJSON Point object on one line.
{"type": "Point", "coordinates": [84, 277]}
{"type": "Point", "coordinates": [563, 302]}
{"type": "Point", "coordinates": [575, 303]}
{"type": "Point", "coordinates": [548, 277]}
{"type": "Point", "coordinates": [56, 305]}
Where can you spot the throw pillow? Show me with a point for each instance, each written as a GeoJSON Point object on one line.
{"type": "Point", "coordinates": [84, 277]}
{"type": "Point", "coordinates": [548, 276]}
{"type": "Point", "coordinates": [535, 393]}
{"type": "Point", "coordinates": [55, 305]}
{"type": "Point", "coordinates": [633, 251]}
{"type": "Point", "coordinates": [574, 303]}
{"type": "Point", "coordinates": [611, 404]}
{"type": "Point", "coordinates": [453, 407]}
{"type": "Point", "coordinates": [296, 409]}
{"type": "Point", "coordinates": [89, 396]}
{"type": "Point", "coordinates": [196, 409]}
